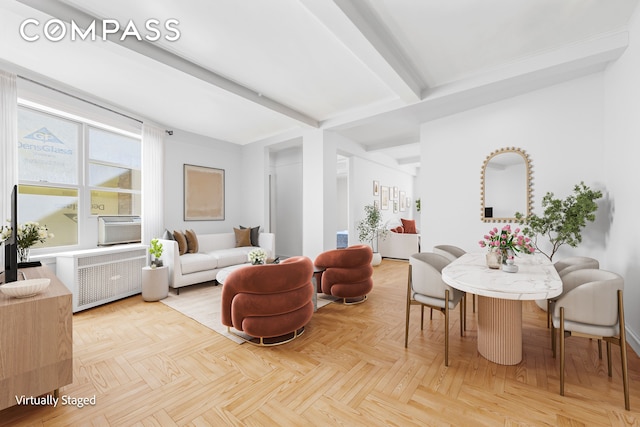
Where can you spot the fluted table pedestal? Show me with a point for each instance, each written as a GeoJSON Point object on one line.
{"type": "Point", "coordinates": [500, 330]}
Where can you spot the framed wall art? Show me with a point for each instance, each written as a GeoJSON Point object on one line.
{"type": "Point", "coordinates": [376, 188]}
{"type": "Point", "coordinates": [384, 197]}
{"type": "Point", "coordinates": [203, 193]}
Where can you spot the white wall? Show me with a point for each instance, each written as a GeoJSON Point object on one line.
{"type": "Point", "coordinates": [560, 127]}
{"type": "Point", "coordinates": [188, 148]}
{"type": "Point", "coordinates": [362, 173]}
{"type": "Point", "coordinates": [622, 151]}
{"type": "Point", "coordinates": [287, 167]}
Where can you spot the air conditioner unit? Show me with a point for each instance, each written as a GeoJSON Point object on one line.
{"type": "Point", "coordinates": [113, 230]}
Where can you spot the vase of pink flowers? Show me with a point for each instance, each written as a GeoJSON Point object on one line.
{"type": "Point", "coordinates": [504, 244]}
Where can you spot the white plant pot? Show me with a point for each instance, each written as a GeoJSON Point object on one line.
{"type": "Point", "coordinates": [377, 259]}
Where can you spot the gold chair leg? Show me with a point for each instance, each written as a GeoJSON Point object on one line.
{"type": "Point", "coordinates": [463, 315]}
{"type": "Point", "coordinates": [623, 352]}
{"type": "Point", "coordinates": [474, 303]}
{"type": "Point", "coordinates": [600, 350]}
{"type": "Point", "coordinates": [553, 340]}
{"type": "Point", "coordinates": [548, 313]}
{"type": "Point", "coordinates": [406, 326]}
{"type": "Point", "coordinates": [422, 317]}
{"type": "Point", "coordinates": [609, 367]}
{"type": "Point", "coordinates": [446, 327]}
{"type": "Point", "coordinates": [561, 351]}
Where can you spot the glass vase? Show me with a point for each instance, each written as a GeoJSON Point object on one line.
{"type": "Point", "coordinates": [23, 254]}
{"type": "Point", "coordinates": [494, 259]}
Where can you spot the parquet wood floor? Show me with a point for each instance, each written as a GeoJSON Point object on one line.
{"type": "Point", "coordinates": [148, 365]}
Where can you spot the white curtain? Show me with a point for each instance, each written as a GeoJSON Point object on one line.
{"type": "Point", "coordinates": [8, 140]}
{"type": "Point", "coordinates": [152, 182]}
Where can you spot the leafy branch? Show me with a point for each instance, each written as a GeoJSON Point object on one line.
{"type": "Point", "coordinates": [563, 220]}
{"type": "Point", "coordinates": [372, 226]}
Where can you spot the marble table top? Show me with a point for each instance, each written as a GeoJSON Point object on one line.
{"type": "Point", "coordinates": [536, 278]}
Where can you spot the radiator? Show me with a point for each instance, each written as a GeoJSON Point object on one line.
{"type": "Point", "coordinates": [102, 275]}
{"type": "Point", "coordinates": [119, 229]}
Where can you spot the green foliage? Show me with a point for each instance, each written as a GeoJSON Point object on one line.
{"type": "Point", "coordinates": [563, 220]}
{"type": "Point", "coordinates": [156, 248]}
{"type": "Point", "coordinates": [418, 207]}
{"type": "Point", "coordinates": [371, 227]}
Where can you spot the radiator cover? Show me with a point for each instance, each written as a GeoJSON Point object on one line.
{"type": "Point", "coordinates": [102, 275]}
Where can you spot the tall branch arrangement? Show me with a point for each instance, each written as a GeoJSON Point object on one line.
{"type": "Point", "coordinates": [371, 227]}
{"type": "Point", "coordinates": [563, 220]}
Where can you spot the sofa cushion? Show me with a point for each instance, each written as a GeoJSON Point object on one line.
{"type": "Point", "coordinates": [192, 263]}
{"type": "Point", "coordinates": [409, 226]}
{"type": "Point", "coordinates": [255, 235]}
{"type": "Point", "coordinates": [182, 241]}
{"type": "Point", "coordinates": [232, 256]}
{"type": "Point", "coordinates": [243, 237]}
{"type": "Point", "coordinates": [192, 241]}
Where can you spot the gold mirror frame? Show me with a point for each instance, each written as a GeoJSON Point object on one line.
{"type": "Point", "coordinates": [529, 183]}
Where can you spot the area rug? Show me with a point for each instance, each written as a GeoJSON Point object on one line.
{"type": "Point", "coordinates": [201, 302]}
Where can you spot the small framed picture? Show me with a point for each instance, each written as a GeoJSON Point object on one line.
{"type": "Point", "coordinates": [395, 206]}
{"type": "Point", "coordinates": [376, 203]}
{"type": "Point", "coordinates": [403, 201]}
{"type": "Point", "coordinates": [384, 198]}
{"type": "Point", "coordinates": [395, 193]}
{"type": "Point", "coordinates": [376, 188]}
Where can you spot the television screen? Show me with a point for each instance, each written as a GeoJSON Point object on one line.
{"type": "Point", "coordinates": [11, 244]}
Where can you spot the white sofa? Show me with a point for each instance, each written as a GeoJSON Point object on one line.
{"type": "Point", "coordinates": [215, 252]}
{"type": "Point", "coordinates": [399, 245]}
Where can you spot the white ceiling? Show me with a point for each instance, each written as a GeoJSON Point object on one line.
{"type": "Point", "coordinates": [250, 70]}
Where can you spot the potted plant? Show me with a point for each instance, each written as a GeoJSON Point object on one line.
{"type": "Point", "coordinates": [563, 220]}
{"type": "Point", "coordinates": [370, 229]}
{"type": "Point", "coordinates": [155, 250]}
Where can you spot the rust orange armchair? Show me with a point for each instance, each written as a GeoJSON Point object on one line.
{"type": "Point", "coordinates": [347, 273]}
{"type": "Point", "coordinates": [271, 303]}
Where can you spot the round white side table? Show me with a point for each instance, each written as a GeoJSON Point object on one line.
{"type": "Point", "coordinates": [155, 283]}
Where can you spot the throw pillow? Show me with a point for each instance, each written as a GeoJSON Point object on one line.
{"type": "Point", "coordinates": [409, 226]}
{"type": "Point", "coordinates": [192, 241]}
{"type": "Point", "coordinates": [243, 237]}
{"type": "Point", "coordinates": [167, 235]}
{"type": "Point", "coordinates": [182, 241]}
{"type": "Point", "coordinates": [398, 229]}
{"type": "Point", "coordinates": [255, 235]}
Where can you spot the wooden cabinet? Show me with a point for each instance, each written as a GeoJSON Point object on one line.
{"type": "Point", "coordinates": [36, 347]}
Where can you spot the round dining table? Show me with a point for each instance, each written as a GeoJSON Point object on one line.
{"type": "Point", "coordinates": [500, 295]}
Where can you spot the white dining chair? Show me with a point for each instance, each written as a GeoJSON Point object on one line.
{"type": "Point", "coordinates": [452, 253]}
{"type": "Point", "coordinates": [564, 267]}
{"type": "Point", "coordinates": [426, 288]}
{"type": "Point", "coordinates": [592, 308]}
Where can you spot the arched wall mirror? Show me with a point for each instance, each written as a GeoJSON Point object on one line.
{"type": "Point", "coordinates": [506, 185]}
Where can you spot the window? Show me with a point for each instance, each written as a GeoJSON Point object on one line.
{"type": "Point", "coordinates": [59, 183]}
{"type": "Point", "coordinates": [114, 175]}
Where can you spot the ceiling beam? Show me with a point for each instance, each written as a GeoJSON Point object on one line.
{"type": "Point", "coordinates": [391, 143]}
{"type": "Point", "coordinates": [66, 13]}
{"type": "Point", "coordinates": [409, 160]}
{"type": "Point", "coordinates": [363, 33]}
